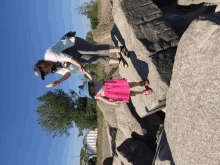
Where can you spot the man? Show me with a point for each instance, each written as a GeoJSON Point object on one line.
{"type": "Point", "coordinates": [67, 56]}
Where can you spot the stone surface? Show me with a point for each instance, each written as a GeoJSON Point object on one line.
{"type": "Point", "coordinates": [126, 122]}
{"type": "Point", "coordinates": [193, 117]}
{"type": "Point", "coordinates": [189, 2]}
{"type": "Point", "coordinates": [150, 28]}
{"type": "Point", "coordinates": [136, 151]}
{"type": "Point", "coordinates": [180, 17]}
{"type": "Point", "coordinates": [108, 112]}
{"type": "Point", "coordinates": [120, 138]}
{"type": "Point", "coordinates": [106, 142]}
{"type": "Point", "coordinates": [108, 161]}
{"type": "Point", "coordinates": [140, 64]}
{"type": "Point", "coordinates": [164, 63]}
{"type": "Point", "coordinates": [163, 155]}
{"type": "Point", "coordinates": [116, 161]}
{"type": "Point", "coordinates": [217, 8]}
{"type": "Point", "coordinates": [123, 159]}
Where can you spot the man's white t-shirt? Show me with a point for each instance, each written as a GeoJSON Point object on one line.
{"type": "Point", "coordinates": [54, 53]}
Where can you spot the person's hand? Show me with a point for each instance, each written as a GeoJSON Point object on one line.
{"type": "Point", "coordinates": [55, 83]}
{"type": "Point", "coordinates": [82, 68]}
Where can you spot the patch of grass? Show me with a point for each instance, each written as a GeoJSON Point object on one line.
{"type": "Point", "coordinates": [99, 143]}
{"type": "Point", "coordinates": [99, 13]}
{"type": "Point", "coordinates": [93, 16]}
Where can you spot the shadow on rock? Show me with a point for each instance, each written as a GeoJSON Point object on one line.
{"type": "Point", "coordinates": [151, 123]}
{"type": "Point", "coordinates": [113, 132]}
{"type": "Point", "coordinates": [140, 66]}
{"type": "Point", "coordinates": [108, 161]}
{"type": "Point", "coordinates": [136, 150]}
{"type": "Point", "coordinates": [164, 61]}
{"type": "Point", "coordinates": [180, 17]}
{"type": "Point", "coordinates": [116, 36]}
{"type": "Point", "coordinates": [163, 151]}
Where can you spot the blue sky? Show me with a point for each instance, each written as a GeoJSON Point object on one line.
{"type": "Point", "coordinates": [28, 29]}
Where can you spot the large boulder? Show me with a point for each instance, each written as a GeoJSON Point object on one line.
{"type": "Point", "coordinates": [140, 64]}
{"type": "Point", "coordinates": [180, 17]}
{"type": "Point", "coordinates": [120, 138]}
{"type": "Point", "coordinates": [126, 122]}
{"type": "Point", "coordinates": [163, 155]}
{"type": "Point", "coordinates": [136, 151]}
{"type": "Point", "coordinates": [116, 161]}
{"type": "Point", "coordinates": [164, 63]}
{"type": "Point", "coordinates": [150, 28]}
{"type": "Point", "coordinates": [193, 116]}
{"type": "Point", "coordinates": [190, 2]}
{"type": "Point", "coordinates": [108, 112]}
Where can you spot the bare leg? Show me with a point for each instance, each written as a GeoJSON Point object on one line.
{"type": "Point", "coordinates": [115, 61]}
{"type": "Point", "coordinates": [113, 49]}
{"type": "Point", "coordinates": [134, 84]}
{"type": "Point", "coordinates": [135, 93]}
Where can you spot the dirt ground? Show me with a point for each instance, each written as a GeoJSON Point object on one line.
{"type": "Point", "coordinates": [102, 35]}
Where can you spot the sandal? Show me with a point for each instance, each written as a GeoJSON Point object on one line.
{"type": "Point", "coordinates": [121, 59]}
{"type": "Point", "coordinates": [125, 51]}
{"type": "Point", "coordinates": [148, 92]}
{"type": "Point", "coordinates": [144, 83]}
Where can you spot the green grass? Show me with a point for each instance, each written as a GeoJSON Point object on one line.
{"type": "Point", "coordinates": [99, 143]}
{"type": "Point", "coordinates": [93, 16]}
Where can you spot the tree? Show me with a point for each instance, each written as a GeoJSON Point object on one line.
{"type": "Point", "coordinates": [84, 159]}
{"type": "Point", "coordinates": [86, 7]}
{"type": "Point", "coordinates": [90, 9]}
{"type": "Point", "coordinates": [59, 110]}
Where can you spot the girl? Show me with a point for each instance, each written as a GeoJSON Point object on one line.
{"type": "Point", "coordinates": [115, 90]}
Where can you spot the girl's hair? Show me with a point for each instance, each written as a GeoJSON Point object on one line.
{"type": "Point", "coordinates": [91, 84]}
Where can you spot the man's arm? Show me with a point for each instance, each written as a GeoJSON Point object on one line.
{"type": "Point", "coordinates": [89, 76]}
{"type": "Point", "coordinates": [65, 77]}
{"type": "Point", "coordinates": [77, 63]}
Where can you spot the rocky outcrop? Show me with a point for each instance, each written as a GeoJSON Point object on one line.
{"type": "Point", "coordinates": [190, 2]}
{"type": "Point", "coordinates": [145, 18]}
{"type": "Point", "coordinates": [108, 112]}
{"type": "Point", "coordinates": [193, 116]}
{"type": "Point", "coordinates": [136, 151]}
{"type": "Point", "coordinates": [176, 48]}
{"type": "Point", "coordinates": [116, 161]}
{"type": "Point", "coordinates": [126, 122]}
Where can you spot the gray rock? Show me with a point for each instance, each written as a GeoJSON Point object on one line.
{"type": "Point", "coordinates": [108, 112]}
{"type": "Point", "coordinates": [150, 28]}
{"type": "Point", "coordinates": [163, 155]}
{"type": "Point", "coordinates": [123, 159]}
{"type": "Point", "coordinates": [217, 9]}
{"type": "Point", "coordinates": [139, 64]}
{"type": "Point", "coordinates": [190, 2]}
{"type": "Point", "coordinates": [116, 161]}
{"type": "Point", "coordinates": [108, 161]}
{"type": "Point", "coordinates": [126, 122]}
{"type": "Point", "coordinates": [136, 151]}
{"type": "Point", "coordinates": [193, 117]}
{"type": "Point", "coordinates": [120, 138]}
{"type": "Point", "coordinates": [164, 63]}
{"type": "Point", "coordinates": [180, 17]}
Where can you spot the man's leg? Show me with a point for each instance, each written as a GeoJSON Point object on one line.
{"type": "Point", "coordinates": [113, 49]}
